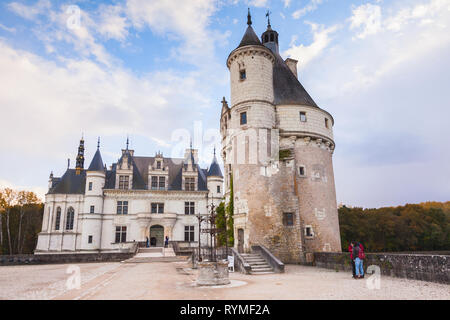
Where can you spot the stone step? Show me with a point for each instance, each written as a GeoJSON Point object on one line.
{"type": "Point", "coordinates": [261, 272]}
{"type": "Point", "coordinates": [251, 255]}
{"type": "Point", "coordinates": [260, 267]}
{"type": "Point", "coordinates": [257, 263]}
{"type": "Point", "coordinates": [154, 249]}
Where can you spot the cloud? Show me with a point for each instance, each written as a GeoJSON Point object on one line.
{"type": "Point", "coordinates": [258, 3]}
{"type": "Point", "coordinates": [368, 18]}
{"type": "Point", "coordinates": [38, 190]}
{"type": "Point", "coordinates": [113, 22]}
{"type": "Point", "coordinates": [287, 3]}
{"type": "Point", "coordinates": [30, 12]}
{"type": "Point", "coordinates": [305, 54]}
{"type": "Point", "coordinates": [12, 30]}
{"type": "Point", "coordinates": [312, 6]}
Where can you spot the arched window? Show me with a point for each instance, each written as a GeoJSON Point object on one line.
{"type": "Point", "coordinates": [58, 218]}
{"type": "Point", "coordinates": [69, 219]}
{"type": "Point", "coordinates": [271, 37]}
{"type": "Point", "coordinates": [266, 38]}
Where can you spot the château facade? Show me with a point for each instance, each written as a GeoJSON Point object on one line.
{"type": "Point", "coordinates": [277, 146]}
{"type": "Point", "coordinates": [108, 210]}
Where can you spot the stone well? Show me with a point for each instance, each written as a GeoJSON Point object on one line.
{"type": "Point", "coordinates": [212, 273]}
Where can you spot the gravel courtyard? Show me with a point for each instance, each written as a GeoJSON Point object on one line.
{"type": "Point", "coordinates": [175, 280]}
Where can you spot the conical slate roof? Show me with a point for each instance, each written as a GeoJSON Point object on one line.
{"type": "Point", "coordinates": [214, 169]}
{"type": "Point", "coordinates": [250, 38]}
{"type": "Point", "coordinates": [97, 162]}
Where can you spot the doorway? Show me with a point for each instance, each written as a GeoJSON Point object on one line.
{"type": "Point", "coordinates": [157, 236]}
{"type": "Point", "coordinates": [241, 240]}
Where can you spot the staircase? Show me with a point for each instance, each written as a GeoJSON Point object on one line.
{"type": "Point", "coordinates": [258, 264]}
{"type": "Point", "coordinates": [154, 254]}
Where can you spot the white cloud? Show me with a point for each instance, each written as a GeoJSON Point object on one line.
{"type": "Point", "coordinates": [12, 30]}
{"type": "Point", "coordinates": [258, 3]}
{"type": "Point", "coordinates": [305, 54]}
{"type": "Point", "coordinates": [312, 6]}
{"type": "Point", "coordinates": [368, 18]}
{"type": "Point", "coordinates": [113, 22]}
{"type": "Point", "coordinates": [30, 12]}
{"type": "Point", "coordinates": [287, 3]}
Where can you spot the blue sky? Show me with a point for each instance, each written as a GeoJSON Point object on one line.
{"type": "Point", "coordinates": [156, 70]}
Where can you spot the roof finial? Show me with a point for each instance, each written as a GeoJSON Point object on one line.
{"type": "Point", "coordinates": [214, 150]}
{"type": "Point", "coordinates": [128, 141]}
{"type": "Point", "coordinates": [98, 143]}
{"type": "Point", "coordinates": [191, 143]}
{"type": "Point", "coordinates": [249, 18]}
{"type": "Point", "coordinates": [268, 19]}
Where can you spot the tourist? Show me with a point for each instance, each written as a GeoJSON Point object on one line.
{"type": "Point", "coordinates": [166, 242]}
{"type": "Point", "coordinates": [358, 257]}
{"type": "Point", "coordinates": [350, 249]}
{"type": "Point", "coordinates": [147, 242]}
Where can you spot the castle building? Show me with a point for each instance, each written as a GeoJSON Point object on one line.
{"type": "Point", "coordinates": [108, 210]}
{"type": "Point", "coordinates": [277, 148]}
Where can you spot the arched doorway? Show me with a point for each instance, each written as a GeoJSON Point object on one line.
{"type": "Point", "coordinates": [157, 236]}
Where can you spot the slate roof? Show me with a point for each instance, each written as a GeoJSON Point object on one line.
{"type": "Point", "coordinates": [250, 38]}
{"type": "Point", "coordinates": [97, 162]}
{"type": "Point", "coordinates": [214, 169]}
{"type": "Point", "coordinates": [69, 183]}
{"type": "Point", "coordinates": [287, 88]}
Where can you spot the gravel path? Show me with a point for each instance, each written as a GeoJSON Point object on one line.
{"type": "Point", "coordinates": [175, 280]}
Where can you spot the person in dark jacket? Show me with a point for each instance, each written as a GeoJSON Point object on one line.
{"type": "Point", "coordinates": [358, 258]}
{"type": "Point", "coordinates": [166, 242]}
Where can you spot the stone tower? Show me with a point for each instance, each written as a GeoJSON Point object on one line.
{"type": "Point", "coordinates": [277, 150]}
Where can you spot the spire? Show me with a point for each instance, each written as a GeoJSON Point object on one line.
{"type": "Point", "coordinates": [250, 37]}
{"type": "Point", "coordinates": [268, 20]}
{"type": "Point", "coordinates": [80, 157]}
{"type": "Point", "coordinates": [214, 168]}
{"type": "Point", "coordinates": [97, 162]}
{"type": "Point", "coordinates": [128, 142]}
{"type": "Point", "coordinates": [98, 143]}
{"type": "Point", "coordinates": [249, 18]}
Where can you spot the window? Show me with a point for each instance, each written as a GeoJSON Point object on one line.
{"type": "Point", "coordinates": [69, 218]}
{"type": "Point", "coordinates": [157, 208]}
{"type": "Point", "coordinates": [266, 38]}
{"type": "Point", "coordinates": [303, 116]}
{"type": "Point", "coordinates": [271, 38]}
{"type": "Point", "coordinates": [58, 218]}
{"type": "Point", "coordinates": [189, 208]}
{"type": "Point", "coordinates": [243, 118]}
{"type": "Point", "coordinates": [121, 234]}
{"type": "Point", "coordinates": [309, 231]}
{"type": "Point", "coordinates": [162, 183]}
{"type": "Point", "coordinates": [90, 186]}
{"type": "Point", "coordinates": [189, 184]}
{"type": "Point", "coordinates": [242, 75]}
{"type": "Point", "coordinates": [218, 189]}
{"type": "Point", "coordinates": [124, 182]}
{"type": "Point", "coordinates": [301, 171]}
{"type": "Point", "coordinates": [326, 123]}
{"type": "Point", "coordinates": [92, 209]}
{"type": "Point", "coordinates": [154, 183]}
{"type": "Point", "coordinates": [122, 207]}
{"type": "Point", "coordinates": [90, 239]}
{"type": "Point", "coordinates": [158, 164]}
{"type": "Point", "coordinates": [288, 219]}
{"type": "Point", "coordinates": [189, 233]}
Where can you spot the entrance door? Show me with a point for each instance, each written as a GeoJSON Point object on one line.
{"type": "Point", "coordinates": [157, 236]}
{"type": "Point", "coordinates": [240, 240]}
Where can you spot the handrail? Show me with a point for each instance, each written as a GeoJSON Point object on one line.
{"type": "Point", "coordinates": [274, 262]}
{"type": "Point", "coordinates": [239, 261]}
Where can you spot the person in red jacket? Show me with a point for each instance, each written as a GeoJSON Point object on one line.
{"type": "Point", "coordinates": [352, 260]}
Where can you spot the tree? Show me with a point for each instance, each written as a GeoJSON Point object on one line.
{"type": "Point", "coordinates": [25, 200]}
{"type": "Point", "coordinates": [230, 212]}
{"type": "Point", "coordinates": [9, 200]}
{"type": "Point", "coordinates": [221, 224]}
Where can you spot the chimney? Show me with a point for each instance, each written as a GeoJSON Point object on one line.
{"type": "Point", "coordinates": [292, 64]}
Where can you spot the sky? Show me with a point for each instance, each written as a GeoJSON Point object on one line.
{"type": "Point", "coordinates": [155, 70]}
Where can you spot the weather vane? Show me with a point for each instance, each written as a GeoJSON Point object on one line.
{"type": "Point", "coordinates": [268, 17]}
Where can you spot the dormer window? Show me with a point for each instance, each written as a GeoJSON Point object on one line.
{"type": "Point", "coordinates": [242, 75]}
{"type": "Point", "coordinates": [124, 182]}
{"type": "Point", "coordinates": [189, 184]}
{"type": "Point", "coordinates": [158, 164]}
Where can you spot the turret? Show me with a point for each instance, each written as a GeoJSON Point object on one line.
{"type": "Point", "coordinates": [80, 157]}
{"type": "Point", "coordinates": [215, 181]}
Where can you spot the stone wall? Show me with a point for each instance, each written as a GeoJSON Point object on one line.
{"type": "Point", "coordinates": [426, 267]}
{"type": "Point", "coordinates": [25, 259]}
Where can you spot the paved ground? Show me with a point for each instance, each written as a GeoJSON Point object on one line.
{"type": "Point", "coordinates": [175, 280]}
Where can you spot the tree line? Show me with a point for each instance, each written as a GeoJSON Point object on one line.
{"type": "Point", "coordinates": [413, 227]}
{"type": "Point", "coordinates": [21, 214]}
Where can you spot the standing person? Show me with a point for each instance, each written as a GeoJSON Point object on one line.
{"type": "Point", "coordinates": [166, 242]}
{"type": "Point", "coordinates": [361, 257]}
{"type": "Point", "coordinates": [147, 242]}
{"type": "Point", "coordinates": [356, 255]}
{"type": "Point", "coordinates": [350, 249]}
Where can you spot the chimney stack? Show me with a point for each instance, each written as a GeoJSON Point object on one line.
{"type": "Point", "coordinates": [292, 64]}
